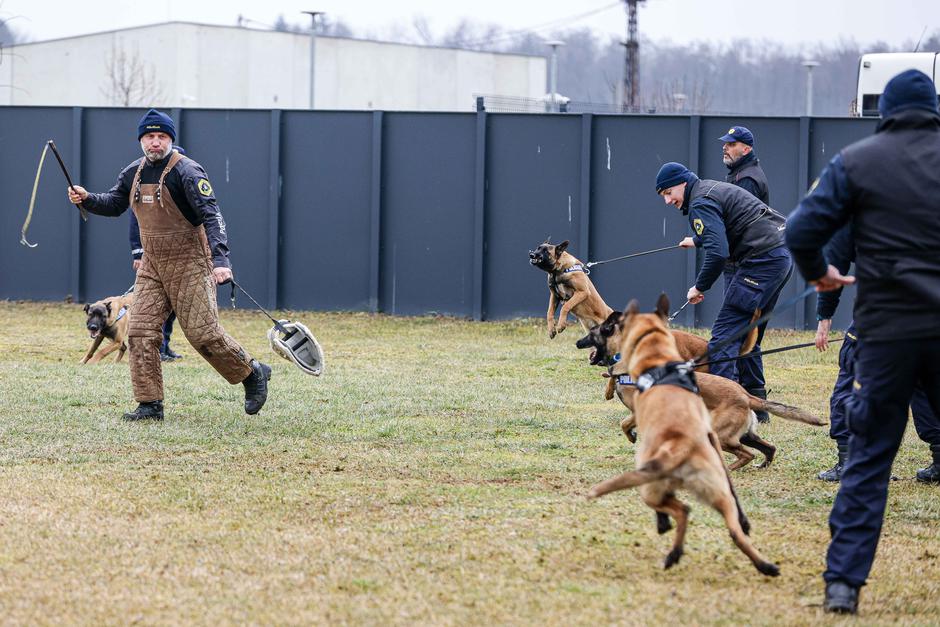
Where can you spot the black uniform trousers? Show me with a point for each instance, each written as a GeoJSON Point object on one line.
{"type": "Point", "coordinates": [886, 375]}
{"type": "Point", "coordinates": [926, 422]}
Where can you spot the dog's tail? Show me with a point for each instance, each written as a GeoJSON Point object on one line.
{"type": "Point", "coordinates": [785, 411]}
{"type": "Point", "coordinates": [750, 340]}
{"type": "Point", "coordinates": [669, 456]}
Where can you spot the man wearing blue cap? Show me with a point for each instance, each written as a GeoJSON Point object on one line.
{"type": "Point", "coordinates": [742, 238]}
{"type": "Point", "coordinates": [886, 186]}
{"type": "Point", "coordinates": [737, 153]}
{"type": "Point", "coordinates": [185, 254]}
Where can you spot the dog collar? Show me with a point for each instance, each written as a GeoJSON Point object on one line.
{"type": "Point", "coordinates": [677, 373]}
{"type": "Point", "coordinates": [577, 268]}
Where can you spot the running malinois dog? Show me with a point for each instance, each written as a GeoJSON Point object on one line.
{"type": "Point", "coordinates": [678, 448]}
{"type": "Point", "coordinates": [731, 407]}
{"type": "Point", "coordinates": [108, 318]}
{"type": "Point", "coordinates": [568, 283]}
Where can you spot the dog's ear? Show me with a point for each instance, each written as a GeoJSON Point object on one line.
{"type": "Point", "coordinates": [632, 308]}
{"type": "Point", "coordinates": [561, 247]}
{"type": "Point", "coordinates": [107, 305]}
{"type": "Point", "coordinates": [85, 308]}
{"type": "Point", "coordinates": [662, 306]}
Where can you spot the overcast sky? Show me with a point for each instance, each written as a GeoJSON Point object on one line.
{"type": "Point", "coordinates": [791, 22]}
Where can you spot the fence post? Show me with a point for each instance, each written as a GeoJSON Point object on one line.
{"type": "Point", "coordinates": [479, 211]}
{"type": "Point", "coordinates": [692, 317]}
{"type": "Point", "coordinates": [584, 235]}
{"type": "Point", "coordinates": [805, 129]}
{"type": "Point", "coordinates": [76, 227]}
{"type": "Point", "coordinates": [480, 104]}
{"type": "Point", "coordinates": [274, 214]}
{"type": "Point", "coordinates": [375, 222]}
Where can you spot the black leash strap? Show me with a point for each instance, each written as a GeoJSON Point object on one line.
{"type": "Point", "coordinates": [65, 171]}
{"type": "Point", "coordinates": [761, 353]}
{"type": "Point", "coordinates": [646, 252]}
{"type": "Point", "coordinates": [277, 323]}
{"type": "Point", "coordinates": [678, 311]}
{"type": "Point", "coordinates": [698, 361]}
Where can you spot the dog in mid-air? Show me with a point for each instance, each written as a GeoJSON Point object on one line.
{"type": "Point", "coordinates": [107, 318]}
{"type": "Point", "coordinates": [678, 448]}
{"type": "Point", "coordinates": [568, 284]}
{"type": "Point", "coordinates": [731, 407]}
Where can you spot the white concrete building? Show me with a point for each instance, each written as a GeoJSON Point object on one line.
{"type": "Point", "coordinates": [204, 66]}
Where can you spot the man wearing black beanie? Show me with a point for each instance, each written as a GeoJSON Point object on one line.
{"type": "Point", "coordinates": [886, 186]}
{"type": "Point", "coordinates": [185, 254]}
{"type": "Point", "coordinates": [742, 238]}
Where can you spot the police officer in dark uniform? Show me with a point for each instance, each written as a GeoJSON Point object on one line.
{"type": "Point", "coordinates": [743, 238]}
{"type": "Point", "coordinates": [887, 187]}
{"type": "Point", "coordinates": [744, 169]}
{"type": "Point", "coordinates": [840, 252]}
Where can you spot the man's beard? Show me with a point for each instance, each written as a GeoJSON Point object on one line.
{"type": "Point", "coordinates": [153, 157]}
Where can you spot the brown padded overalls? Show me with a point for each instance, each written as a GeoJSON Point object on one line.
{"type": "Point", "coordinates": [175, 275]}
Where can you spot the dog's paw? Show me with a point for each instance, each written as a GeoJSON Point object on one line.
{"type": "Point", "coordinates": [552, 333]}
{"type": "Point", "coordinates": [663, 524]}
{"type": "Point", "coordinates": [673, 558]}
{"type": "Point", "coordinates": [766, 568]}
{"type": "Point", "coordinates": [560, 328]}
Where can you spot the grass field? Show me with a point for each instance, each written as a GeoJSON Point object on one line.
{"type": "Point", "coordinates": [435, 474]}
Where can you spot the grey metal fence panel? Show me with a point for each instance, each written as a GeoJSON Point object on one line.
{"type": "Point", "coordinates": [405, 211]}
{"type": "Point", "coordinates": [532, 192]}
{"type": "Point", "coordinates": [44, 272]}
{"type": "Point", "coordinates": [234, 149]}
{"type": "Point", "coordinates": [628, 216]}
{"type": "Point", "coordinates": [427, 213]}
{"type": "Point", "coordinates": [326, 161]}
{"type": "Point", "coordinates": [109, 144]}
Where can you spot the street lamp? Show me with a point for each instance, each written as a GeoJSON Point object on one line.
{"type": "Point", "coordinates": [553, 76]}
{"type": "Point", "coordinates": [809, 65]}
{"type": "Point", "coordinates": [313, 48]}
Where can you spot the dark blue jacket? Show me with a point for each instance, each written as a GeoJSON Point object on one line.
{"type": "Point", "coordinates": [747, 174]}
{"type": "Point", "coordinates": [730, 224]}
{"type": "Point", "coordinates": [888, 187]}
{"type": "Point", "coordinates": [196, 202]}
{"type": "Point", "coordinates": [839, 252]}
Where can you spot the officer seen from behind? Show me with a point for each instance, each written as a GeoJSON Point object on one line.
{"type": "Point", "coordinates": [887, 187]}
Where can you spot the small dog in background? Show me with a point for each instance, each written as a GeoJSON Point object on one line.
{"type": "Point", "coordinates": [107, 318]}
{"type": "Point", "coordinates": [568, 284]}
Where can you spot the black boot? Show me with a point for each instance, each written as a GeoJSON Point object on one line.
{"type": "Point", "coordinates": [841, 598]}
{"type": "Point", "coordinates": [761, 393]}
{"type": "Point", "coordinates": [169, 355]}
{"type": "Point", "coordinates": [931, 474]}
{"type": "Point", "coordinates": [256, 387]}
{"type": "Point", "coordinates": [151, 410]}
{"type": "Point", "coordinates": [835, 473]}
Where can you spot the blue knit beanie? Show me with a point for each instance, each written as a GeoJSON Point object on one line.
{"type": "Point", "coordinates": [672, 174]}
{"type": "Point", "coordinates": [156, 122]}
{"type": "Point", "coordinates": [911, 89]}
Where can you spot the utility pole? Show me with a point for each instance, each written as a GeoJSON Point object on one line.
{"type": "Point", "coordinates": [553, 73]}
{"type": "Point", "coordinates": [631, 65]}
{"type": "Point", "coordinates": [809, 65]}
{"type": "Point", "coordinates": [313, 49]}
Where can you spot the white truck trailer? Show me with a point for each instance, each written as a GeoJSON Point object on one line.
{"type": "Point", "coordinates": [876, 69]}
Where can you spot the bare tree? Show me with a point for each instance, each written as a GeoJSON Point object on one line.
{"type": "Point", "coordinates": [132, 81]}
{"type": "Point", "coordinates": [682, 96]}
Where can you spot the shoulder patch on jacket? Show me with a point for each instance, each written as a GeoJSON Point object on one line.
{"type": "Point", "coordinates": [698, 226]}
{"type": "Point", "coordinates": [204, 188]}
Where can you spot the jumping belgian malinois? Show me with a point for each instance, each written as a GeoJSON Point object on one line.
{"type": "Point", "coordinates": [568, 284]}
{"type": "Point", "coordinates": [108, 318]}
{"type": "Point", "coordinates": [678, 448]}
{"type": "Point", "coordinates": [731, 407]}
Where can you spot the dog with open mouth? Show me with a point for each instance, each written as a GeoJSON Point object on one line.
{"type": "Point", "coordinates": [569, 285]}
{"type": "Point", "coordinates": [732, 409]}
{"type": "Point", "coordinates": [107, 318]}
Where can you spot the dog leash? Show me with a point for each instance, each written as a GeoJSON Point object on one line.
{"type": "Point", "coordinates": [678, 311]}
{"type": "Point", "coordinates": [700, 360]}
{"type": "Point", "coordinates": [759, 353]}
{"type": "Point", "coordinates": [646, 252]}
{"type": "Point", "coordinates": [277, 323]}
